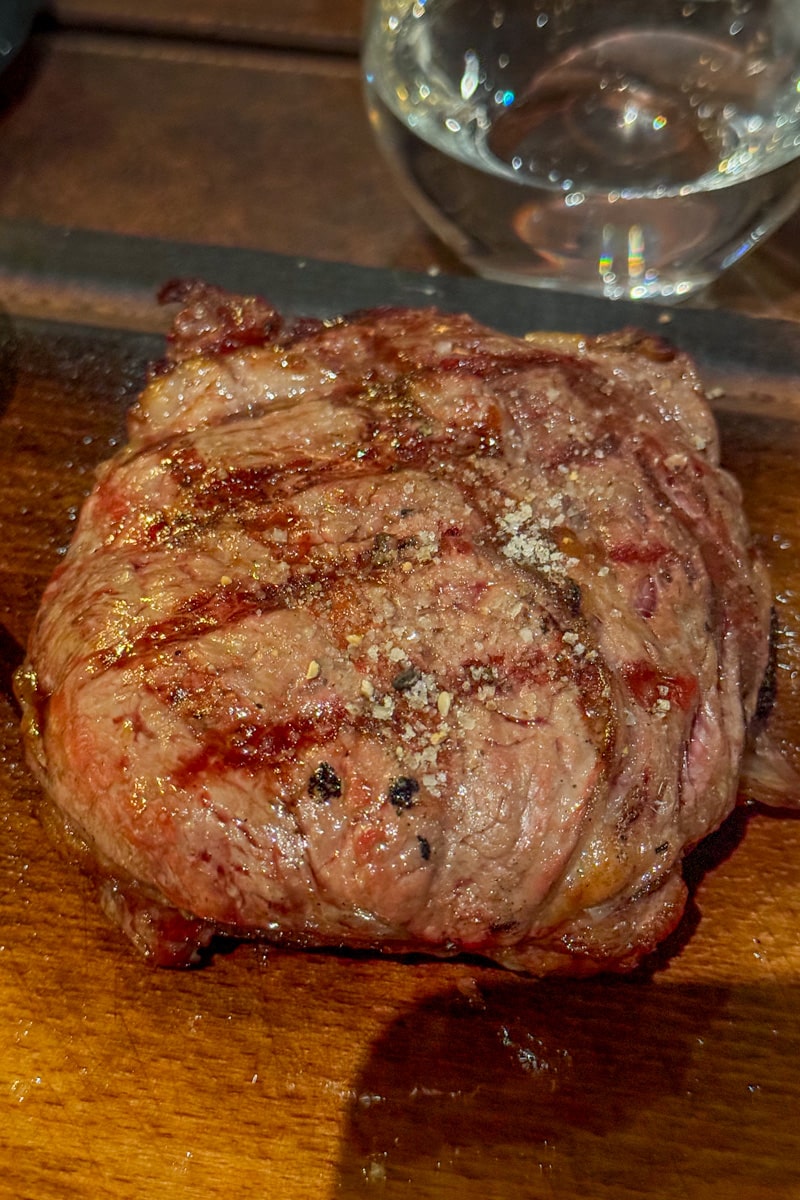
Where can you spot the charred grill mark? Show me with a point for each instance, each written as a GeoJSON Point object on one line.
{"type": "Point", "coordinates": [424, 847]}
{"type": "Point", "coordinates": [395, 431]}
{"type": "Point", "coordinates": [257, 746]}
{"type": "Point", "coordinates": [229, 603]}
{"type": "Point", "coordinates": [389, 405]}
{"type": "Point", "coordinates": [246, 494]}
{"type": "Point", "coordinates": [216, 495]}
{"type": "Point", "coordinates": [235, 489]}
{"type": "Point", "coordinates": [399, 408]}
{"type": "Point", "coordinates": [200, 613]}
{"type": "Point", "coordinates": [185, 465]}
{"type": "Point", "coordinates": [487, 365]}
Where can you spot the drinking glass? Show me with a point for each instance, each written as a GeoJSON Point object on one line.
{"type": "Point", "coordinates": [625, 148]}
{"type": "Point", "coordinates": [16, 17]}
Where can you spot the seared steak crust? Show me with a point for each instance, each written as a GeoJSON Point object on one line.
{"type": "Point", "coordinates": [397, 632]}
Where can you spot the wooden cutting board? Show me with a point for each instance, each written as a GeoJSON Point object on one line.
{"type": "Point", "coordinates": [298, 1075]}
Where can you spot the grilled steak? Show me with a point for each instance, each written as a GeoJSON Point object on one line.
{"type": "Point", "coordinates": [398, 632]}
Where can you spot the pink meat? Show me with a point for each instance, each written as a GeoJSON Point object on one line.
{"type": "Point", "coordinates": [397, 632]}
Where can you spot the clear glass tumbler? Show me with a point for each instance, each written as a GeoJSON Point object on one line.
{"type": "Point", "coordinates": [634, 148]}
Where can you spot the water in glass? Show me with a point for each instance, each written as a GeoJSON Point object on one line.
{"type": "Point", "coordinates": [631, 149]}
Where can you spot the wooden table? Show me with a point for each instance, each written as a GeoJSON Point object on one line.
{"type": "Point", "coordinates": [240, 125]}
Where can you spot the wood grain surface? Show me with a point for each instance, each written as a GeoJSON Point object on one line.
{"type": "Point", "coordinates": [298, 1075]}
{"type": "Point", "coordinates": [321, 24]}
{"type": "Point", "coordinates": [191, 141]}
